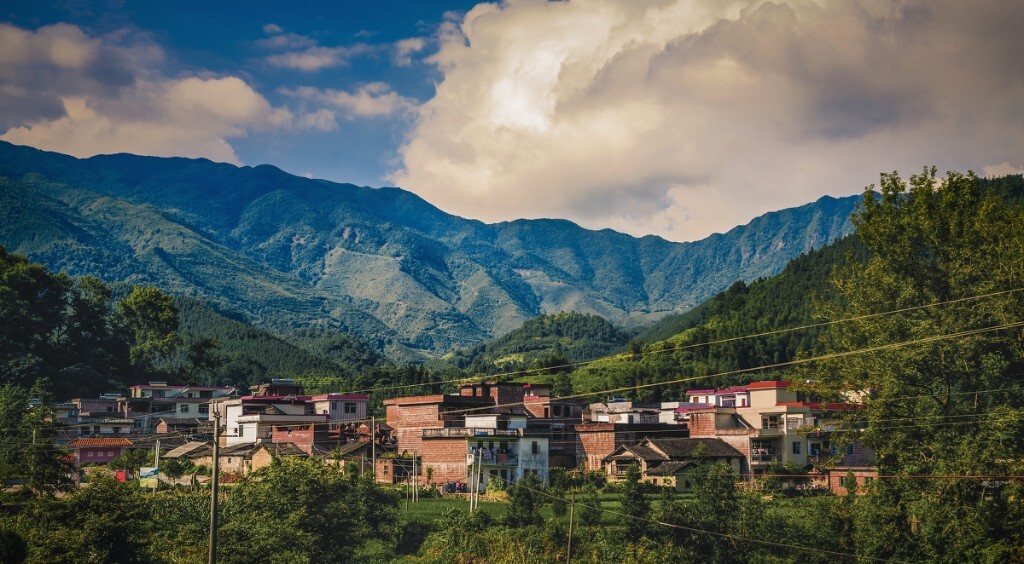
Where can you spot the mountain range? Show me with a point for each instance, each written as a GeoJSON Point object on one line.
{"type": "Point", "coordinates": [291, 253]}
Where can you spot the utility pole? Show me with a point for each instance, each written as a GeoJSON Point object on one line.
{"type": "Point", "coordinates": [572, 507]}
{"type": "Point", "coordinates": [156, 462]}
{"type": "Point", "coordinates": [213, 489]}
{"type": "Point", "coordinates": [373, 447]}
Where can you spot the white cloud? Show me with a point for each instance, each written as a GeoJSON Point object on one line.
{"type": "Point", "coordinates": [318, 58]}
{"type": "Point", "coordinates": [375, 99]}
{"type": "Point", "coordinates": [303, 52]}
{"type": "Point", "coordinates": [686, 117]}
{"type": "Point", "coordinates": [67, 92]}
{"type": "Point", "coordinates": [405, 48]}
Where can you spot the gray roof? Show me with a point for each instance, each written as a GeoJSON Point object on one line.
{"type": "Point", "coordinates": [677, 449]}
{"type": "Point", "coordinates": [187, 450]}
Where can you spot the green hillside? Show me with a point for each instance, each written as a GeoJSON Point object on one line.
{"type": "Point", "coordinates": [291, 253]}
{"type": "Point", "coordinates": [548, 340]}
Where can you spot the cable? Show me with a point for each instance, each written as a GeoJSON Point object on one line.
{"type": "Point", "coordinates": [681, 347]}
{"type": "Point", "coordinates": [712, 533]}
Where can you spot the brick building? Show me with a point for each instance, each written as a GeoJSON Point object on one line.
{"type": "Point", "coordinates": [596, 440]}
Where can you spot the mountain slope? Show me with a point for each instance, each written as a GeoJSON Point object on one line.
{"type": "Point", "coordinates": [291, 252]}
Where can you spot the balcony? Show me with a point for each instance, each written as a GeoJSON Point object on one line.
{"type": "Point", "coordinates": [763, 456]}
{"type": "Point", "coordinates": [465, 432]}
{"type": "Point", "coordinates": [502, 460]}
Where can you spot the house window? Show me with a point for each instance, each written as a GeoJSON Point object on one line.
{"type": "Point", "coordinates": [184, 408]}
{"type": "Point", "coordinates": [535, 448]}
{"type": "Point", "coordinates": [204, 409]}
{"type": "Point", "coordinates": [849, 450]}
{"type": "Point", "coordinates": [796, 448]}
{"type": "Point", "coordinates": [110, 453]}
{"type": "Point", "coordinates": [117, 430]}
{"type": "Point", "coordinates": [88, 454]}
{"type": "Point", "coordinates": [350, 407]}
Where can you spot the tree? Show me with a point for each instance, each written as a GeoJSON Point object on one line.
{"type": "Point", "coordinates": [324, 514]}
{"type": "Point", "coordinates": [944, 406]}
{"type": "Point", "coordinates": [202, 361]}
{"type": "Point", "coordinates": [524, 502]}
{"type": "Point", "coordinates": [27, 449]}
{"type": "Point", "coordinates": [635, 506]}
{"type": "Point", "coordinates": [152, 318]}
{"type": "Point", "coordinates": [590, 509]}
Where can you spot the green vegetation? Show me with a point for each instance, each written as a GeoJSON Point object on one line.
{"type": "Point", "coordinates": [546, 341]}
{"type": "Point", "coordinates": [290, 253]}
{"type": "Point", "coordinates": [944, 406]}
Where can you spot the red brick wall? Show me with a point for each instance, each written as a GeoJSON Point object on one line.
{"type": "Point", "coordinates": [862, 475]}
{"type": "Point", "coordinates": [408, 421]}
{"type": "Point", "coordinates": [447, 457]}
{"type": "Point", "coordinates": [594, 442]}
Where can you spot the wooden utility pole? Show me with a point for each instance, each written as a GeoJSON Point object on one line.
{"type": "Point", "coordinates": [373, 447]}
{"type": "Point", "coordinates": [213, 488]}
{"type": "Point", "coordinates": [572, 507]}
{"type": "Point", "coordinates": [156, 463]}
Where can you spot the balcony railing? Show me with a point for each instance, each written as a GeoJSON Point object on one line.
{"type": "Point", "coordinates": [764, 456]}
{"type": "Point", "coordinates": [502, 460]}
{"type": "Point", "coordinates": [460, 432]}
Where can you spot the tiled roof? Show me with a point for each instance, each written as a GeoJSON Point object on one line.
{"type": "Point", "coordinates": [767, 385]}
{"type": "Point", "coordinates": [100, 442]}
{"type": "Point", "coordinates": [687, 448]}
{"type": "Point", "coordinates": [669, 468]}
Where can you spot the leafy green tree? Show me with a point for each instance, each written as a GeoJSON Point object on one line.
{"type": "Point", "coordinates": [27, 449]}
{"type": "Point", "coordinates": [524, 502]}
{"type": "Point", "coordinates": [132, 460]}
{"type": "Point", "coordinates": [590, 512]}
{"type": "Point", "coordinates": [946, 405]}
{"type": "Point", "coordinates": [202, 361]}
{"type": "Point", "coordinates": [325, 515]}
{"type": "Point", "coordinates": [105, 522]}
{"type": "Point", "coordinates": [635, 505]}
{"type": "Point", "coordinates": [152, 318]}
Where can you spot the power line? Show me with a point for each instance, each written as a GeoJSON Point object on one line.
{"type": "Point", "coordinates": [707, 532]}
{"type": "Point", "coordinates": [679, 347]}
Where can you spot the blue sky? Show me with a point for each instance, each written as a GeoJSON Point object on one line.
{"type": "Point", "coordinates": [671, 117]}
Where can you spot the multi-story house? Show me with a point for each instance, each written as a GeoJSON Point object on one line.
{"type": "Point", "coordinates": [504, 447]}
{"type": "Point", "coordinates": [252, 419]}
{"type": "Point", "coordinates": [150, 403]}
{"type": "Point", "coordinates": [767, 421]}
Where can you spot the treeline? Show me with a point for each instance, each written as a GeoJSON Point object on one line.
{"type": "Point", "coordinates": [292, 511]}
{"type": "Point", "coordinates": [547, 340]}
{"type": "Point", "coordinates": [72, 331]}
{"type": "Point", "coordinates": [765, 305]}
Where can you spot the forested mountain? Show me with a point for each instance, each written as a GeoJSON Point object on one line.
{"type": "Point", "coordinates": [673, 348]}
{"type": "Point", "coordinates": [294, 253]}
{"type": "Point", "coordinates": [246, 354]}
{"type": "Point", "coordinates": [548, 340]}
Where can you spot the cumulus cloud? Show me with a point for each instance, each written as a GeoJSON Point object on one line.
{"type": "Point", "coordinates": [404, 49]}
{"type": "Point", "coordinates": [65, 91]}
{"type": "Point", "coordinates": [686, 117]}
{"type": "Point", "coordinates": [375, 99]}
{"type": "Point", "coordinates": [303, 53]}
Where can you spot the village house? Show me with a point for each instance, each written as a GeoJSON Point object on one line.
{"type": "Point", "coordinates": [596, 440]}
{"type": "Point", "coordinates": [769, 423]}
{"type": "Point", "coordinates": [666, 462]}
{"type": "Point", "coordinates": [98, 450]}
{"type": "Point", "coordinates": [281, 403]}
{"type": "Point", "coordinates": [151, 403]}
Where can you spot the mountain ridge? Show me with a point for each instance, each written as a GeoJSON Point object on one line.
{"type": "Point", "coordinates": [291, 252]}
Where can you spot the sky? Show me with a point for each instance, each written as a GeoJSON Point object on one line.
{"type": "Point", "coordinates": [678, 118]}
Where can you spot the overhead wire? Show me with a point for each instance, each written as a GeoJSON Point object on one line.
{"type": "Point", "coordinates": [678, 347]}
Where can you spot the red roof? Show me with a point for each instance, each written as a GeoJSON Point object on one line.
{"type": "Point", "coordinates": [356, 397]}
{"type": "Point", "coordinates": [699, 392]}
{"type": "Point", "coordinates": [816, 405]}
{"type": "Point", "coordinates": [100, 442]}
{"type": "Point", "coordinates": [768, 385]}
